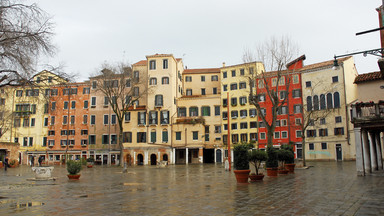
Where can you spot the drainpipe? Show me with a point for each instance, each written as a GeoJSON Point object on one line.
{"type": "Point", "coordinates": [346, 107]}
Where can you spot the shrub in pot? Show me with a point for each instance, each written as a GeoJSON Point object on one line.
{"type": "Point", "coordinates": [283, 155]}
{"type": "Point", "coordinates": [256, 157]}
{"type": "Point", "coordinates": [73, 168]}
{"type": "Point", "coordinates": [90, 162]}
{"type": "Point", "coordinates": [240, 162]}
{"type": "Point", "coordinates": [272, 162]}
{"type": "Point", "coordinates": [290, 162]}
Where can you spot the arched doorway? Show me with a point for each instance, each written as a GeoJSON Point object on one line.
{"type": "Point", "coordinates": [153, 159]}
{"type": "Point", "coordinates": [140, 159]}
{"type": "Point", "coordinates": [128, 159]}
{"type": "Point", "coordinates": [218, 156]}
{"type": "Point", "coordinates": [165, 157]}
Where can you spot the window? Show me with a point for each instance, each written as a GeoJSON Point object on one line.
{"type": "Point", "coordinates": [298, 134]}
{"type": "Point", "coordinates": [262, 136]}
{"type": "Point", "coordinates": [311, 146]}
{"type": "Point", "coordinates": [195, 135]}
{"type": "Point", "coordinates": [65, 104]}
{"type": "Point", "coordinates": [65, 120]}
{"type": "Point", "coordinates": [113, 119]}
{"type": "Point", "coordinates": [106, 101]}
{"type": "Point", "coordinates": [329, 101]}
{"type": "Point", "coordinates": [322, 102]}
{"type": "Point", "coordinates": [136, 76]}
{"type": "Point", "coordinates": [189, 92]}
{"type": "Point", "coordinates": [92, 139]}
{"type": "Point", "coordinates": [243, 100]}
{"type": "Point", "coordinates": [322, 121]}
{"type": "Point", "coordinates": [214, 78]}
{"type": "Point", "coordinates": [165, 136]}
{"type": "Point", "coordinates": [244, 137]}
{"type": "Point", "coordinates": [234, 114]}
{"type": "Point", "coordinates": [203, 91]}
{"type": "Point", "coordinates": [158, 100]}
{"type": "Point", "coordinates": [298, 121]}
{"type": "Point", "coordinates": [127, 116]}
{"type": "Point", "coordinates": [164, 117]}
{"type": "Point", "coordinates": [224, 74]}
{"type": "Point", "coordinates": [205, 111]}
{"type": "Point", "coordinates": [261, 97]}
{"type": "Point", "coordinates": [217, 129]}
{"type": "Point", "coordinates": [127, 137]}
{"type": "Point", "coordinates": [274, 82]}
{"type": "Point", "coordinates": [277, 124]}
{"type": "Point", "coordinates": [243, 113]}
{"type": "Point", "coordinates": [323, 132]}
{"type": "Point", "coordinates": [165, 80]}
{"type": "Point", "coordinates": [45, 141]}
{"type": "Point", "coordinates": [51, 133]}
{"type": "Point", "coordinates": [193, 111]}
{"type": "Point", "coordinates": [152, 81]}
{"type": "Point", "coordinates": [165, 63]}
{"type": "Point", "coordinates": [84, 132]}
{"type": "Point", "coordinates": [84, 142]}
{"type": "Point", "coordinates": [261, 124]}
{"type": "Point", "coordinates": [283, 110]}
{"type": "Point", "coordinates": [152, 65]}
{"type": "Point", "coordinates": [94, 84]}
{"type": "Point", "coordinates": [295, 79]}
{"type": "Point", "coordinates": [225, 139]}
{"type": "Point", "coordinates": [188, 79]}
{"type": "Point", "coordinates": [323, 146]}
{"type": "Point", "coordinates": [93, 102]}
{"type": "Point", "coordinates": [105, 139]}
{"type": "Point", "coordinates": [26, 122]}
{"type": "Point", "coordinates": [276, 135]}
{"type": "Point", "coordinates": [260, 83]}
{"type": "Point", "coordinates": [217, 110]}
{"type": "Point", "coordinates": [30, 141]}
{"type": "Point", "coordinates": [225, 87]}
{"type": "Point", "coordinates": [53, 105]}
{"type": "Point", "coordinates": [141, 119]}
{"type": "Point", "coordinates": [72, 120]}
{"type": "Point", "coordinates": [73, 105]}
{"type": "Point", "coordinates": [225, 102]}
{"type": "Point", "coordinates": [311, 133]}
{"type": "Point", "coordinates": [86, 104]}
{"type": "Point", "coordinates": [128, 83]}
{"type": "Point", "coordinates": [336, 100]}
{"type": "Point", "coordinates": [233, 86]}
{"type": "Point", "coordinates": [253, 136]}
{"type": "Point", "coordinates": [284, 134]}
{"type": "Point", "coordinates": [225, 115]}
{"type": "Point", "coordinates": [52, 120]}
{"type": "Point", "coordinates": [235, 138]}
{"type": "Point", "coordinates": [233, 73]}
{"type": "Point", "coordinates": [178, 135]}
{"type": "Point", "coordinates": [297, 108]}
{"type": "Point", "coordinates": [136, 91]}
{"type": "Point", "coordinates": [242, 72]}
{"type": "Point", "coordinates": [181, 112]}
{"type": "Point", "coordinates": [308, 84]}
{"type": "Point", "coordinates": [45, 121]}
{"type": "Point", "coordinates": [19, 93]}
{"type": "Point", "coordinates": [335, 79]}
{"type": "Point", "coordinates": [338, 119]}
{"type": "Point", "coordinates": [252, 113]}
{"type": "Point", "coordinates": [214, 90]}
{"type": "Point", "coordinates": [339, 131]}
{"type": "Point", "coordinates": [93, 119]}
{"type": "Point", "coordinates": [63, 142]}
{"type": "Point", "coordinates": [86, 90]}
{"type": "Point", "coordinates": [283, 95]}
{"type": "Point", "coordinates": [243, 125]}
{"type": "Point", "coordinates": [316, 102]}
{"type": "Point", "coordinates": [202, 78]}
{"type": "Point", "coordinates": [32, 122]}
{"type": "Point", "coordinates": [234, 101]}
{"type": "Point", "coordinates": [252, 124]}
{"type": "Point", "coordinates": [152, 117]}
{"type": "Point", "coordinates": [242, 85]}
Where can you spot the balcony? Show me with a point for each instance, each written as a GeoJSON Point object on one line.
{"type": "Point", "coordinates": [22, 113]}
{"type": "Point", "coordinates": [190, 120]}
{"type": "Point", "coordinates": [368, 114]}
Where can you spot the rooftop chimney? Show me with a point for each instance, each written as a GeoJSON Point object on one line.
{"type": "Point", "coordinates": [223, 64]}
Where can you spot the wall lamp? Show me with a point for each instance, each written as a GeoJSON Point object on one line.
{"type": "Point", "coordinates": [376, 52]}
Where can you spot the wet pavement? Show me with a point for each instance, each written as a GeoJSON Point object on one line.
{"type": "Point", "coordinates": [327, 188]}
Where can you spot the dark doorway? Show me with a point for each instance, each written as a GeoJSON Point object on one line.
{"type": "Point", "coordinates": [165, 157]}
{"type": "Point", "coordinates": [208, 155]}
{"type": "Point", "coordinates": [299, 151]}
{"type": "Point", "coordinates": [140, 159]}
{"type": "Point", "coordinates": [153, 159]}
{"type": "Point", "coordinates": [339, 152]}
{"type": "Point", "coordinates": [218, 156]}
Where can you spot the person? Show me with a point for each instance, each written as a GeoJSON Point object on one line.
{"type": "Point", "coordinates": [32, 160]}
{"type": "Point", "coordinates": [6, 163]}
{"type": "Point", "coordinates": [40, 160]}
{"type": "Point", "coordinates": [226, 164]}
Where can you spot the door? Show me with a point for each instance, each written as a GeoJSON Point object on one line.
{"type": "Point", "coordinates": [153, 159]}
{"type": "Point", "coordinates": [140, 159]}
{"type": "Point", "coordinates": [339, 152]}
{"type": "Point", "coordinates": [299, 150]}
{"type": "Point", "coordinates": [218, 156]}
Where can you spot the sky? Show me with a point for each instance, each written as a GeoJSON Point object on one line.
{"type": "Point", "coordinates": [206, 33]}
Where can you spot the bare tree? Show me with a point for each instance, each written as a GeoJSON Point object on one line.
{"type": "Point", "coordinates": [123, 89]}
{"type": "Point", "coordinates": [25, 34]}
{"type": "Point", "coordinates": [275, 54]}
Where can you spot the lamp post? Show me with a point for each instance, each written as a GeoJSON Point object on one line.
{"type": "Point", "coordinates": [228, 136]}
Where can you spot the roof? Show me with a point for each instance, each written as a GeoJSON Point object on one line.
{"type": "Point", "coordinates": [159, 55]}
{"type": "Point", "coordinates": [301, 58]}
{"type": "Point", "coordinates": [369, 77]}
{"type": "Point", "coordinates": [201, 71]}
{"type": "Point", "coordinates": [323, 64]}
{"type": "Point", "coordinates": [141, 63]}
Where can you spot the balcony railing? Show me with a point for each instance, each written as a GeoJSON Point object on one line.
{"type": "Point", "coordinates": [367, 111]}
{"type": "Point", "coordinates": [190, 120]}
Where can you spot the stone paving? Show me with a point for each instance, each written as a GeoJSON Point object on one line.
{"type": "Point", "coordinates": [327, 188]}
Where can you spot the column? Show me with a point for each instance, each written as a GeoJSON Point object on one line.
{"type": "Point", "coordinates": [134, 158]}
{"type": "Point", "coordinates": [173, 156]}
{"type": "Point", "coordinates": [359, 152]}
{"type": "Point", "coordinates": [367, 158]}
{"type": "Point", "coordinates": [214, 155]}
{"type": "Point", "coordinates": [186, 155]}
{"type": "Point", "coordinates": [146, 157]}
{"type": "Point", "coordinates": [372, 148]}
{"type": "Point", "coordinates": [201, 155]}
{"type": "Point", "coordinates": [378, 151]}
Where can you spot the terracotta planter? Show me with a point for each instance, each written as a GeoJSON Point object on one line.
{"type": "Point", "coordinates": [76, 177]}
{"type": "Point", "coordinates": [1, 165]}
{"type": "Point", "coordinates": [256, 177]}
{"type": "Point", "coordinates": [290, 167]}
{"type": "Point", "coordinates": [242, 175]}
{"type": "Point", "coordinates": [89, 166]}
{"type": "Point", "coordinates": [283, 171]}
{"type": "Point", "coordinates": [272, 172]}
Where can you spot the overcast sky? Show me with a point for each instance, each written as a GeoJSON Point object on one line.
{"type": "Point", "coordinates": [206, 33]}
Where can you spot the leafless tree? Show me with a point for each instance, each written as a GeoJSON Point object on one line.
{"type": "Point", "coordinates": [122, 88]}
{"type": "Point", "coordinates": [275, 54]}
{"type": "Point", "coordinates": [25, 34]}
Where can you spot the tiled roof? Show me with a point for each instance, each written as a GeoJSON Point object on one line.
{"type": "Point", "coordinates": [159, 55]}
{"type": "Point", "coordinates": [201, 71]}
{"type": "Point", "coordinates": [323, 64]}
{"type": "Point", "coordinates": [141, 63]}
{"type": "Point", "coordinates": [369, 77]}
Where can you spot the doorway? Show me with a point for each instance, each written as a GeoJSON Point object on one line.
{"type": "Point", "coordinates": [153, 159]}
{"type": "Point", "coordinates": [218, 156]}
{"type": "Point", "coordinates": [208, 155]}
{"type": "Point", "coordinates": [140, 159]}
{"type": "Point", "coordinates": [339, 152]}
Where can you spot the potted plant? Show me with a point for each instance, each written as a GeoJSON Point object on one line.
{"type": "Point", "coordinates": [73, 168]}
{"type": "Point", "coordinates": [90, 162]}
{"type": "Point", "coordinates": [282, 156]}
{"type": "Point", "coordinates": [256, 157]}
{"type": "Point", "coordinates": [240, 162]}
{"type": "Point", "coordinates": [290, 162]}
{"type": "Point", "coordinates": [272, 162]}
{"type": "Point", "coordinates": [13, 163]}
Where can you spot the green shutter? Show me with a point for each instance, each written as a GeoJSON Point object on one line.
{"type": "Point", "coordinates": [153, 137]}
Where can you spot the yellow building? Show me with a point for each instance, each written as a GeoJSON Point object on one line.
{"type": "Point", "coordinates": [328, 92]}
{"type": "Point", "coordinates": [241, 115]}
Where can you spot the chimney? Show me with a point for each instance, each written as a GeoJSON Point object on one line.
{"type": "Point", "coordinates": [223, 64]}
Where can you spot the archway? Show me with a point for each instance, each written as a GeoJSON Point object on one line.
{"type": "Point", "coordinates": [218, 156]}
{"type": "Point", "coordinates": [165, 157]}
{"type": "Point", "coordinates": [153, 159]}
{"type": "Point", "coordinates": [140, 159]}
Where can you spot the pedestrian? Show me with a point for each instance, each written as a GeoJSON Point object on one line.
{"type": "Point", "coordinates": [40, 160]}
{"type": "Point", "coordinates": [32, 160]}
{"type": "Point", "coordinates": [226, 164]}
{"type": "Point", "coordinates": [6, 163]}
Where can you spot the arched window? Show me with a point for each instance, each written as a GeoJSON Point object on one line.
{"type": "Point", "coordinates": [322, 102]}
{"type": "Point", "coordinates": [316, 102]}
{"type": "Point", "coordinates": [165, 80]}
{"type": "Point", "coordinates": [329, 101]}
{"type": "Point", "coordinates": [336, 100]}
{"type": "Point", "coordinates": [309, 103]}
